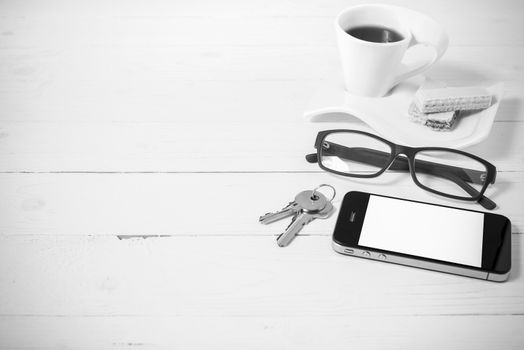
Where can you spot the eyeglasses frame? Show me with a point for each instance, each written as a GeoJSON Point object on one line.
{"type": "Point", "coordinates": [409, 153]}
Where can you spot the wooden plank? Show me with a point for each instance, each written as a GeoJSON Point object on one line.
{"type": "Point", "coordinates": [43, 69]}
{"type": "Point", "coordinates": [191, 146]}
{"type": "Point", "coordinates": [304, 332]}
{"type": "Point", "coordinates": [226, 83]}
{"type": "Point", "coordinates": [196, 203]}
{"type": "Point", "coordinates": [255, 8]}
{"type": "Point", "coordinates": [171, 100]}
{"type": "Point", "coordinates": [174, 100]}
{"type": "Point", "coordinates": [235, 23]}
{"type": "Point", "coordinates": [242, 276]}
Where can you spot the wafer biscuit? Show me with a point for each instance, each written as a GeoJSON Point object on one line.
{"type": "Point", "coordinates": [443, 121]}
{"type": "Point", "coordinates": [452, 99]}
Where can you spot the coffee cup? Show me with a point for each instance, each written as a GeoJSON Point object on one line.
{"type": "Point", "coordinates": [382, 45]}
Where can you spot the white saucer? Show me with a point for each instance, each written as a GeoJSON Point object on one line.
{"type": "Point", "coordinates": [388, 115]}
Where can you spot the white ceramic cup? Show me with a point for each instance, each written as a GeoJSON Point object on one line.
{"type": "Point", "coordinates": [372, 69]}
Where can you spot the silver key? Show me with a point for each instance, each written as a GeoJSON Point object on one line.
{"type": "Point", "coordinates": [291, 209]}
{"type": "Point", "coordinates": [307, 206]}
{"type": "Point", "coordinates": [302, 219]}
{"type": "Point", "coordinates": [303, 201]}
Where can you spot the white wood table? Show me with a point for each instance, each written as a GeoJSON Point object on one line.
{"type": "Point", "coordinates": [141, 140]}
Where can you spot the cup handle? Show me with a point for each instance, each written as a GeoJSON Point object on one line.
{"type": "Point", "coordinates": [426, 32]}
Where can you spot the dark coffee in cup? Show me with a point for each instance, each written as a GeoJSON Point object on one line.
{"type": "Point", "coordinates": [375, 34]}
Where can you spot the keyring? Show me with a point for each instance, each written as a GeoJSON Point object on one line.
{"type": "Point", "coordinates": [314, 196]}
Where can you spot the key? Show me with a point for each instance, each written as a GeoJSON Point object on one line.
{"type": "Point", "coordinates": [300, 220]}
{"type": "Point", "coordinates": [303, 201]}
{"type": "Point", "coordinates": [310, 201]}
{"type": "Point", "coordinates": [291, 209]}
{"type": "Point", "coordinates": [312, 204]}
{"type": "Point", "coordinates": [307, 206]}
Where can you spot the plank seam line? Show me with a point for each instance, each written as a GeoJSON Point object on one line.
{"type": "Point", "coordinates": [517, 314]}
{"type": "Point", "coordinates": [155, 235]}
{"type": "Point", "coordinates": [165, 172]}
{"type": "Point", "coordinates": [109, 172]}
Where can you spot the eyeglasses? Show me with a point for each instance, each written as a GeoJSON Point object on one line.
{"type": "Point", "coordinates": [443, 171]}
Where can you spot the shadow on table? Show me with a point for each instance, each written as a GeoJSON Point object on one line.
{"type": "Point", "coordinates": [496, 191]}
{"type": "Point", "coordinates": [338, 117]}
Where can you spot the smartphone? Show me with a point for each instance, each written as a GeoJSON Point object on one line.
{"type": "Point", "coordinates": [434, 237]}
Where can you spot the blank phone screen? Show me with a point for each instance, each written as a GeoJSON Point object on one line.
{"type": "Point", "coordinates": [423, 230]}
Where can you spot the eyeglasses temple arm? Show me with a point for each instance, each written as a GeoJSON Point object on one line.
{"type": "Point", "coordinates": [483, 200]}
{"type": "Point", "coordinates": [312, 158]}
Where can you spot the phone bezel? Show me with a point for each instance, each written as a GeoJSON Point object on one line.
{"type": "Point", "coordinates": [496, 245]}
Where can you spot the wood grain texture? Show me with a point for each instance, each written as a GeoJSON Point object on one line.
{"type": "Point", "coordinates": [232, 276]}
{"type": "Point", "coordinates": [247, 332]}
{"type": "Point", "coordinates": [173, 82]}
{"type": "Point", "coordinates": [238, 23]}
{"type": "Point", "coordinates": [140, 141]}
{"type": "Point", "coordinates": [193, 146]}
{"type": "Point", "coordinates": [202, 204]}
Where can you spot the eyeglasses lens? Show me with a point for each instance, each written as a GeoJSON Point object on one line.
{"type": "Point", "coordinates": [450, 173]}
{"type": "Point", "coordinates": [354, 153]}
